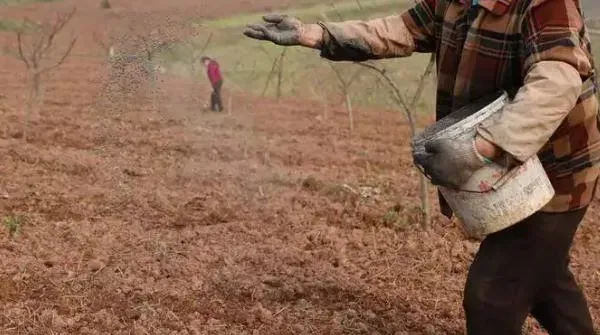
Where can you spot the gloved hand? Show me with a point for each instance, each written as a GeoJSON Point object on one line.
{"type": "Point", "coordinates": [279, 29]}
{"type": "Point", "coordinates": [449, 163]}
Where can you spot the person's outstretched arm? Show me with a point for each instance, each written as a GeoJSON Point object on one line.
{"type": "Point", "coordinates": [388, 37]}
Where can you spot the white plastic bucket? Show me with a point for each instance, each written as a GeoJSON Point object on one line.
{"type": "Point", "coordinates": [494, 198]}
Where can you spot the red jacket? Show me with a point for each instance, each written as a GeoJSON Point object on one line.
{"type": "Point", "coordinates": [214, 73]}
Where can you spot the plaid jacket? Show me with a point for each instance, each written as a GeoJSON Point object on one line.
{"type": "Point", "coordinates": [494, 46]}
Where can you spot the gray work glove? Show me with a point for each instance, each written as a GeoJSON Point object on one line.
{"type": "Point", "coordinates": [279, 29]}
{"type": "Point", "coordinates": [449, 162]}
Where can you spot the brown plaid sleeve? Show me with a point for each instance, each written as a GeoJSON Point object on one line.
{"type": "Point", "coordinates": [420, 22]}
{"type": "Point", "coordinates": [555, 63]}
{"type": "Point", "coordinates": [392, 36]}
{"type": "Point", "coordinates": [551, 32]}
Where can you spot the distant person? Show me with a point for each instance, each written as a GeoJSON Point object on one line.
{"type": "Point", "coordinates": [216, 81]}
{"type": "Point", "coordinates": [538, 51]}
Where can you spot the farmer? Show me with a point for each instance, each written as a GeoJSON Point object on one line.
{"type": "Point", "coordinates": [538, 51]}
{"type": "Point", "coordinates": [216, 81]}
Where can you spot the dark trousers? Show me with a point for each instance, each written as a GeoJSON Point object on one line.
{"type": "Point", "coordinates": [524, 270]}
{"type": "Point", "coordinates": [216, 105]}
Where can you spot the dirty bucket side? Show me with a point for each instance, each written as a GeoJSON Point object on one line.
{"type": "Point", "coordinates": [524, 193]}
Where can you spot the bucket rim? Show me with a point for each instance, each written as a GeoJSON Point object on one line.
{"type": "Point", "coordinates": [491, 104]}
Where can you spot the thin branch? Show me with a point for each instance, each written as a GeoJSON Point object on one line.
{"type": "Point", "coordinates": [421, 86]}
{"type": "Point", "coordinates": [62, 59]}
{"type": "Point", "coordinates": [280, 72]}
{"type": "Point", "coordinates": [37, 46]}
{"type": "Point", "coordinates": [341, 81]}
{"type": "Point", "coordinates": [207, 43]}
{"type": "Point", "coordinates": [275, 64]}
{"type": "Point", "coordinates": [397, 95]}
{"type": "Point", "coordinates": [104, 45]}
{"type": "Point", "coordinates": [361, 10]}
{"type": "Point", "coordinates": [27, 22]}
{"type": "Point", "coordinates": [409, 111]}
{"type": "Point", "coordinates": [336, 11]}
{"type": "Point", "coordinates": [359, 5]}
{"type": "Point", "coordinates": [61, 22]}
{"type": "Point", "coordinates": [261, 48]}
{"type": "Point", "coordinates": [20, 46]}
{"type": "Point", "coordinates": [354, 76]}
{"type": "Point", "coordinates": [344, 84]}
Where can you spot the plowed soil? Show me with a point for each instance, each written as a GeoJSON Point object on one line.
{"type": "Point", "coordinates": [143, 216]}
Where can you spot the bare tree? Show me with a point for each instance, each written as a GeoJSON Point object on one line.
{"type": "Point", "coordinates": [276, 67]}
{"type": "Point", "coordinates": [345, 84]}
{"type": "Point", "coordinates": [319, 95]}
{"type": "Point", "coordinates": [194, 49]}
{"type": "Point", "coordinates": [410, 110]}
{"type": "Point", "coordinates": [36, 49]}
{"type": "Point", "coordinates": [280, 72]}
{"type": "Point", "coordinates": [399, 99]}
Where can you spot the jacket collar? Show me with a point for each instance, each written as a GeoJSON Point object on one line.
{"type": "Point", "coordinates": [497, 7]}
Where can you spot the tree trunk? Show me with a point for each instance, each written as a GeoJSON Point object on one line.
{"type": "Point", "coordinates": [34, 90]}
{"type": "Point", "coordinates": [425, 206]}
{"type": "Point", "coordinates": [229, 104]}
{"type": "Point", "coordinates": [269, 77]}
{"type": "Point", "coordinates": [350, 112]}
{"type": "Point", "coordinates": [37, 86]}
{"type": "Point", "coordinates": [192, 70]}
{"type": "Point", "coordinates": [280, 73]}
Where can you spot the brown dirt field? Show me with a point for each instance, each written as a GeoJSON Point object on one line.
{"type": "Point", "coordinates": [268, 220]}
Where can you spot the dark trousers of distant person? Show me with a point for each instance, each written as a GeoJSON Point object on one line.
{"type": "Point", "coordinates": [524, 270]}
{"type": "Point", "coordinates": [216, 104]}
